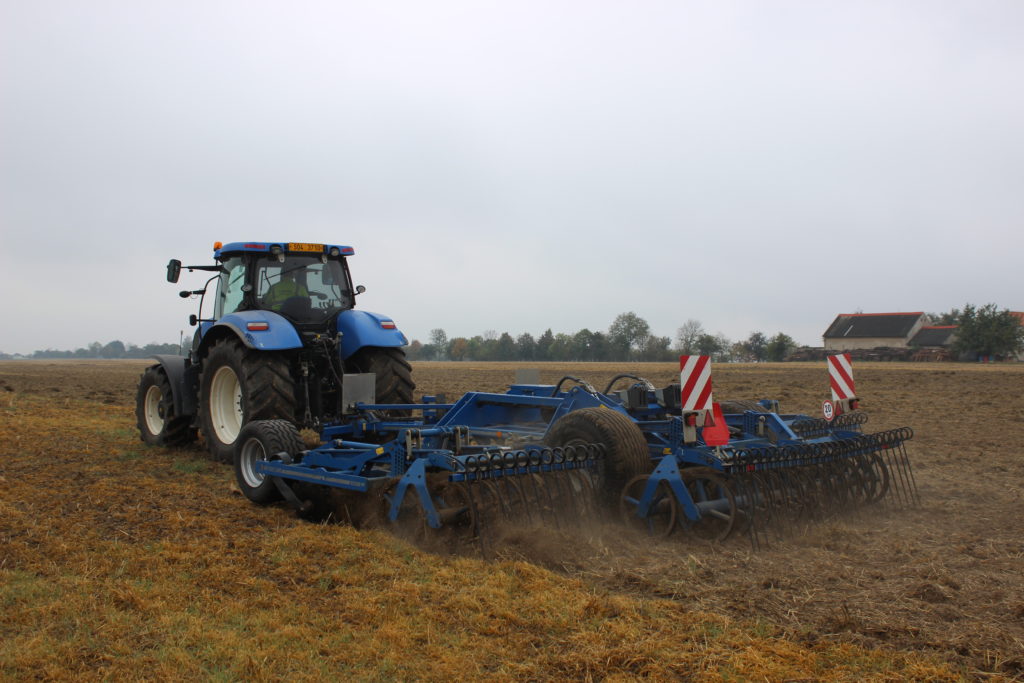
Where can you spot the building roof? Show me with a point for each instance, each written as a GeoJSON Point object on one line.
{"type": "Point", "coordinates": [897, 325]}
{"type": "Point", "coordinates": [934, 335]}
{"type": "Point", "coordinates": [1019, 315]}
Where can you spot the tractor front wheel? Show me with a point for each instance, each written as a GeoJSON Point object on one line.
{"type": "Point", "coordinates": [154, 412]}
{"type": "Point", "coordinates": [238, 385]}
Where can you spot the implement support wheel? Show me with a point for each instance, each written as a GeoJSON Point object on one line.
{"type": "Point", "coordinates": [625, 455]}
{"type": "Point", "coordinates": [262, 440]}
{"type": "Point", "coordinates": [718, 516]}
{"type": "Point", "coordinates": [660, 519]}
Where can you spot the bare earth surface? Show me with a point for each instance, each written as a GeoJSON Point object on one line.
{"type": "Point", "coordinates": [946, 579]}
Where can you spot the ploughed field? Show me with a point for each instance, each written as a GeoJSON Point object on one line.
{"type": "Point", "coordinates": [121, 560]}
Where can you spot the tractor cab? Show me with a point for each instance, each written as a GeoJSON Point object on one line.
{"type": "Point", "coordinates": [307, 283]}
{"type": "Point", "coordinates": [283, 333]}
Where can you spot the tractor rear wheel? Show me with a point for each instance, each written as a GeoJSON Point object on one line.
{"type": "Point", "coordinates": [626, 455]}
{"type": "Point", "coordinates": [154, 412]}
{"type": "Point", "coordinates": [394, 374]}
{"type": "Point", "coordinates": [262, 440]}
{"type": "Point", "coordinates": [238, 385]}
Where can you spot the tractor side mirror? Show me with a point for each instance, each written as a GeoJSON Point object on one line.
{"type": "Point", "coordinates": [360, 289]}
{"type": "Point", "coordinates": [173, 270]}
{"type": "Point", "coordinates": [193, 320]}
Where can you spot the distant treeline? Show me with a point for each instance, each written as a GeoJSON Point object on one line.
{"type": "Point", "coordinates": [114, 349]}
{"type": "Point", "coordinates": [628, 338]}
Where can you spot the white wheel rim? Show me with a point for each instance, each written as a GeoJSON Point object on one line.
{"type": "Point", "coordinates": [252, 452]}
{"type": "Point", "coordinates": [151, 410]}
{"type": "Point", "coordinates": [226, 405]}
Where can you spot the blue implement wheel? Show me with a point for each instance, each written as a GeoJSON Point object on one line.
{"type": "Point", "coordinates": [262, 440]}
{"type": "Point", "coordinates": [713, 496]}
{"type": "Point", "coordinates": [661, 514]}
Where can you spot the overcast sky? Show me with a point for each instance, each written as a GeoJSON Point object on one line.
{"type": "Point", "coordinates": [514, 165]}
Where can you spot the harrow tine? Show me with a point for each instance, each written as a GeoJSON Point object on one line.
{"type": "Point", "coordinates": [906, 482]}
{"type": "Point", "coordinates": [910, 473]}
{"type": "Point", "coordinates": [514, 500]}
{"type": "Point", "coordinates": [783, 505]}
{"type": "Point", "coordinates": [557, 483]}
{"type": "Point", "coordinates": [748, 499]}
{"type": "Point", "coordinates": [583, 493]}
{"type": "Point", "coordinates": [899, 479]}
{"type": "Point", "coordinates": [481, 521]}
{"type": "Point", "coordinates": [536, 512]}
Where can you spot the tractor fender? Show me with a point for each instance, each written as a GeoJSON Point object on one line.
{"type": "Point", "coordinates": [278, 335]}
{"type": "Point", "coordinates": [362, 328]}
{"type": "Point", "coordinates": [184, 381]}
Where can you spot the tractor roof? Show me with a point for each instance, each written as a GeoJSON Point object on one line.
{"type": "Point", "coordinates": [287, 247]}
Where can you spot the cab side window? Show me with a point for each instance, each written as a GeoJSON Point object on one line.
{"type": "Point", "coordinates": [230, 294]}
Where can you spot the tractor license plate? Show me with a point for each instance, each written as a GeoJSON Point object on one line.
{"type": "Point", "coordinates": [303, 246]}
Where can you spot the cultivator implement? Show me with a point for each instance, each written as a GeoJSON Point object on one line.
{"type": "Point", "coordinates": [670, 460]}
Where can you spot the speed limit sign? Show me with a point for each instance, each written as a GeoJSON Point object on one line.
{"type": "Point", "coordinates": [828, 409]}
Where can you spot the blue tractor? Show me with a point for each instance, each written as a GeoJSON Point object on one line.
{"type": "Point", "coordinates": [282, 333]}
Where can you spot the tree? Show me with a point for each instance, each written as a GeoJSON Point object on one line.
{"type": "Point", "coordinates": [779, 347]}
{"type": "Point", "coordinates": [988, 332]}
{"type": "Point", "coordinates": [526, 346]}
{"type": "Point", "coordinates": [581, 345]}
{"type": "Point", "coordinates": [755, 346]}
{"type": "Point", "coordinates": [950, 318]}
{"type": "Point", "coordinates": [686, 337]}
{"type": "Point", "coordinates": [707, 345]}
{"type": "Point", "coordinates": [506, 347]}
{"type": "Point", "coordinates": [439, 340]}
{"type": "Point", "coordinates": [114, 349]}
{"type": "Point", "coordinates": [543, 351]}
{"type": "Point", "coordinates": [599, 346]}
{"type": "Point", "coordinates": [457, 348]}
{"type": "Point", "coordinates": [414, 351]}
{"type": "Point", "coordinates": [724, 349]}
{"type": "Point", "coordinates": [475, 348]}
{"type": "Point", "coordinates": [655, 348]}
{"type": "Point", "coordinates": [561, 347]}
{"type": "Point", "coordinates": [627, 332]}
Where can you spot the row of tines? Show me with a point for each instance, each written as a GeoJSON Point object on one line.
{"type": "Point", "coordinates": [812, 453]}
{"type": "Point", "coordinates": [533, 459]}
{"type": "Point", "coordinates": [820, 427]}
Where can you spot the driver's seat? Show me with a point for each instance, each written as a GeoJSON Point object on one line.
{"type": "Point", "coordinates": [297, 308]}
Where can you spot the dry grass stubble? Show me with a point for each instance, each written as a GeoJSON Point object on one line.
{"type": "Point", "coordinates": [119, 560]}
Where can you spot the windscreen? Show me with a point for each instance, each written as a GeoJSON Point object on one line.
{"type": "Point", "coordinates": [302, 288]}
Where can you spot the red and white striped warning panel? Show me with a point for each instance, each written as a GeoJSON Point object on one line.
{"type": "Point", "coordinates": [840, 375]}
{"type": "Point", "coordinates": [695, 380]}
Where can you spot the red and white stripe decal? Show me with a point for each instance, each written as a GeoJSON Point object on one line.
{"type": "Point", "coordinates": [695, 379]}
{"type": "Point", "coordinates": [840, 375]}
